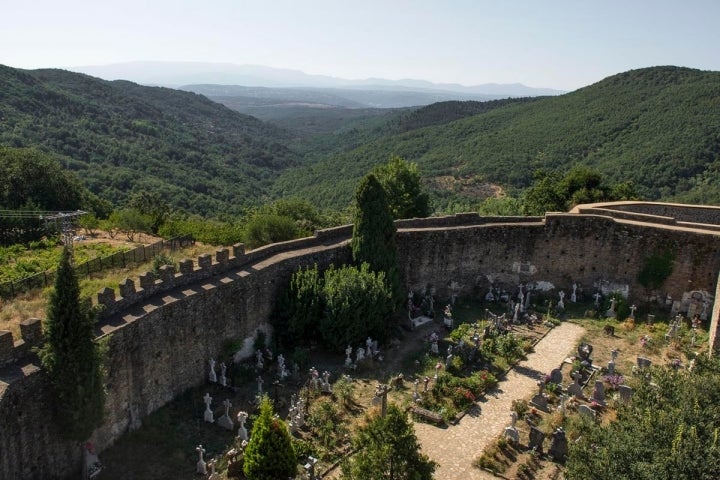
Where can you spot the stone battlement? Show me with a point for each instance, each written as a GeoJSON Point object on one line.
{"type": "Point", "coordinates": [12, 350]}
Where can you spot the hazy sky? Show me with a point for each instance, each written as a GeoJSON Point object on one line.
{"type": "Point", "coordinates": [541, 43]}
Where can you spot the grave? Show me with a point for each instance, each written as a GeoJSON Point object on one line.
{"type": "Point", "coordinates": [559, 445]}
{"type": "Point", "coordinates": [537, 437]}
{"type": "Point", "coordinates": [575, 389]}
{"type": "Point", "coordinates": [643, 362]}
{"type": "Point", "coordinates": [225, 421]}
{"type": "Point", "coordinates": [511, 432]}
{"type": "Point", "coordinates": [586, 412]}
{"type": "Point", "coordinates": [539, 401]}
{"type": "Point", "coordinates": [208, 416]}
{"type": "Point", "coordinates": [598, 394]}
{"type": "Point", "coordinates": [426, 414]}
{"type": "Point", "coordinates": [626, 393]}
{"type": "Point", "coordinates": [556, 376]}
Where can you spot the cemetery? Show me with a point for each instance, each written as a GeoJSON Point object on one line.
{"type": "Point", "coordinates": [191, 354]}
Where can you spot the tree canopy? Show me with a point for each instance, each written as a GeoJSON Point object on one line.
{"type": "Point", "coordinates": [269, 454]}
{"type": "Point", "coordinates": [401, 181]}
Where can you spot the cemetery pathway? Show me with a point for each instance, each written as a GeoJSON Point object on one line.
{"type": "Point", "coordinates": [456, 447]}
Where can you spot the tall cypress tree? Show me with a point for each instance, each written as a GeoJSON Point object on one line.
{"type": "Point", "coordinates": [270, 454]}
{"type": "Point", "coordinates": [71, 357]}
{"type": "Point", "coordinates": [373, 239]}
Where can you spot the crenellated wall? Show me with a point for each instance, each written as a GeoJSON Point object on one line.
{"type": "Point", "coordinates": [162, 331]}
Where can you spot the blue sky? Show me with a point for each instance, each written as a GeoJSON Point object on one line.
{"type": "Point", "coordinates": [556, 44]}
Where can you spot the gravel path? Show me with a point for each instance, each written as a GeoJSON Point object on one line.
{"type": "Point", "coordinates": [456, 447]}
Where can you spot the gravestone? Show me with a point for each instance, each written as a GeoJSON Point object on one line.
{"type": "Point", "coordinates": [584, 351]}
{"type": "Point", "coordinates": [348, 360]}
{"type": "Point", "coordinates": [575, 389]}
{"type": "Point", "coordinates": [200, 466]}
{"type": "Point", "coordinates": [208, 413]}
{"type": "Point", "coordinates": [626, 393]}
{"type": "Point", "coordinates": [586, 412]}
{"type": "Point", "coordinates": [225, 421]}
{"type": "Point", "coordinates": [611, 367]}
{"type": "Point", "coordinates": [559, 445]}
{"type": "Point", "coordinates": [556, 376]}
{"type": "Point", "coordinates": [539, 401]}
{"type": "Point", "coordinates": [223, 371]}
{"type": "Point", "coordinates": [511, 432]}
{"type": "Point", "coordinates": [599, 392]}
{"type": "Point", "coordinates": [537, 437]}
{"type": "Point", "coordinates": [643, 362]}
{"type": "Point", "coordinates": [242, 430]}
{"type": "Point", "coordinates": [212, 376]}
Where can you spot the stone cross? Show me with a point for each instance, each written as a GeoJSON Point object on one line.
{"type": "Point", "coordinates": [348, 352]}
{"type": "Point", "coordinates": [242, 431]}
{"type": "Point", "coordinates": [511, 432]}
{"type": "Point", "coordinates": [227, 406]}
{"type": "Point", "coordinates": [573, 295]}
{"type": "Point", "coordinates": [561, 303]}
{"type": "Point", "coordinates": [597, 299]}
{"type": "Point", "coordinates": [200, 466]}
{"type": "Point", "coordinates": [225, 421]}
{"type": "Point", "coordinates": [632, 311]}
{"type": "Point", "coordinates": [208, 413]}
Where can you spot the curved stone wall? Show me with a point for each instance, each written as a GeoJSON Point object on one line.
{"type": "Point", "coordinates": [162, 331]}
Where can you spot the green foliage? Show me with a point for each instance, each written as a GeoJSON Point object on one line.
{"type": "Point", "coordinates": [262, 229]}
{"type": "Point", "coordinates": [71, 357]}
{"type": "Point", "coordinates": [160, 260]}
{"type": "Point", "coordinates": [324, 419]}
{"type": "Point", "coordinates": [129, 222]}
{"type": "Point", "coordinates": [388, 449]}
{"type": "Point", "coordinates": [269, 454]}
{"type": "Point", "coordinates": [357, 304]}
{"type": "Point", "coordinates": [668, 431]}
{"type": "Point", "coordinates": [152, 206]}
{"type": "Point", "coordinates": [120, 138]}
{"type": "Point", "coordinates": [656, 269]}
{"type": "Point", "coordinates": [373, 240]}
{"type": "Point", "coordinates": [213, 232]}
{"type": "Point", "coordinates": [89, 222]}
{"type": "Point", "coordinates": [303, 305]}
{"type": "Point", "coordinates": [401, 182]}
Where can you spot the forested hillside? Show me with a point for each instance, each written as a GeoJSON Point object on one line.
{"type": "Point", "coordinates": [120, 138]}
{"type": "Point", "coordinates": [659, 127]}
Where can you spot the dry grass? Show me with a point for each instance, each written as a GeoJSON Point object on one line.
{"type": "Point", "coordinates": [33, 304]}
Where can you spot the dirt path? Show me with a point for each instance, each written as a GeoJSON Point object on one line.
{"type": "Point", "coordinates": [456, 447]}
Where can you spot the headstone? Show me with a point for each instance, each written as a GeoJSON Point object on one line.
{"type": "Point", "coordinates": [599, 392]}
{"type": "Point", "coordinates": [223, 378]}
{"type": "Point", "coordinates": [359, 355]}
{"type": "Point", "coordinates": [212, 376]}
{"type": "Point", "coordinates": [575, 389]}
{"type": "Point", "coordinates": [416, 395]}
{"type": "Point", "coordinates": [643, 362]}
{"type": "Point", "coordinates": [539, 400]}
{"type": "Point", "coordinates": [208, 413]}
{"type": "Point", "coordinates": [260, 384]}
{"type": "Point", "coordinates": [597, 298]}
{"type": "Point", "coordinates": [586, 412]}
{"type": "Point", "coordinates": [537, 437]}
{"type": "Point", "coordinates": [326, 382]}
{"type": "Point", "coordinates": [626, 393]}
{"type": "Point", "coordinates": [611, 312]}
{"type": "Point", "coordinates": [368, 348]}
{"type": "Point", "coordinates": [511, 432]}
{"type": "Point", "coordinates": [259, 362]}
{"type": "Point", "coordinates": [650, 319]}
{"type": "Point", "coordinates": [632, 311]}
{"type": "Point", "coordinates": [225, 421]}
{"type": "Point", "coordinates": [348, 360]}
{"type": "Point", "coordinates": [584, 351]}
{"type": "Point", "coordinates": [434, 348]}
{"type": "Point", "coordinates": [573, 295]}
{"type": "Point", "coordinates": [611, 367]}
{"type": "Point", "coordinates": [559, 445]}
{"type": "Point", "coordinates": [315, 379]}
{"type": "Point", "coordinates": [200, 466]}
{"type": "Point", "coordinates": [556, 376]}
{"type": "Point", "coordinates": [561, 303]}
{"type": "Point", "coordinates": [242, 431]}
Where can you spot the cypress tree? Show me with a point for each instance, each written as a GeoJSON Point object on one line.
{"type": "Point", "coordinates": [373, 239]}
{"type": "Point", "coordinates": [71, 357]}
{"type": "Point", "coordinates": [270, 454]}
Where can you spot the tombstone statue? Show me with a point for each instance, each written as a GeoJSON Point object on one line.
{"type": "Point", "coordinates": [561, 303]}
{"type": "Point", "coordinates": [242, 431]}
{"type": "Point", "coordinates": [259, 364]}
{"type": "Point", "coordinates": [359, 355]}
{"type": "Point", "coordinates": [521, 295]}
{"type": "Point", "coordinates": [632, 311]}
{"type": "Point", "coordinates": [212, 376]}
{"type": "Point", "coordinates": [260, 382]}
{"type": "Point", "coordinates": [556, 376]}
{"type": "Point", "coordinates": [539, 399]}
{"type": "Point", "coordinates": [326, 382]}
{"type": "Point", "coordinates": [516, 313]}
{"type": "Point", "coordinates": [611, 367]}
{"type": "Point", "coordinates": [511, 432]}
{"type": "Point", "coordinates": [223, 378]}
{"type": "Point", "coordinates": [209, 417]}
{"type": "Point", "coordinates": [575, 389]}
{"type": "Point", "coordinates": [368, 347]}
{"type": "Point", "coordinates": [434, 348]}
{"type": "Point", "coordinates": [559, 445]}
{"type": "Point", "coordinates": [611, 311]}
{"type": "Point", "coordinates": [597, 298]}
{"type": "Point", "coordinates": [573, 295]}
{"type": "Point", "coordinates": [537, 437]}
{"type": "Point", "coordinates": [200, 466]}
{"type": "Point", "coordinates": [225, 421]}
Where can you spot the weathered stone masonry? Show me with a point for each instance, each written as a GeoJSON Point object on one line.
{"type": "Point", "coordinates": [162, 331]}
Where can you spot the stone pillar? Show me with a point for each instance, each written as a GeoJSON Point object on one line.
{"type": "Point", "coordinates": [205, 261]}
{"type": "Point", "coordinates": [127, 289]}
{"type": "Point", "coordinates": [106, 296]}
{"type": "Point", "coordinates": [186, 267]}
{"type": "Point", "coordinates": [31, 331]}
{"type": "Point", "coordinates": [147, 281]}
{"type": "Point", "coordinates": [7, 347]}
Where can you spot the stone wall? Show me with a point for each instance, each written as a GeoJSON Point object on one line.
{"type": "Point", "coordinates": [162, 331]}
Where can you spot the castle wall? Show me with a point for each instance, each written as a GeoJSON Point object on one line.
{"type": "Point", "coordinates": [162, 331]}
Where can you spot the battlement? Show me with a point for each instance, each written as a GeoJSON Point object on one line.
{"type": "Point", "coordinates": [12, 350]}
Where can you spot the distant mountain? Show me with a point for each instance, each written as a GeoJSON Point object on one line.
{"type": "Point", "coordinates": [175, 74]}
{"type": "Point", "coordinates": [121, 137]}
{"type": "Point", "coordinates": [657, 127]}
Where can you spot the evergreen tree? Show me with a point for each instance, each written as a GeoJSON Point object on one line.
{"type": "Point", "coordinates": [388, 450]}
{"type": "Point", "coordinates": [71, 357]}
{"type": "Point", "coordinates": [401, 181]}
{"type": "Point", "coordinates": [373, 239]}
{"type": "Point", "coordinates": [269, 454]}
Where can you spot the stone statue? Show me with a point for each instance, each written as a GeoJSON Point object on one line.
{"type": "Point", "coordinates": [208, 413]}
{"type": "Point", "coordinates": [573, 295]}
{"type": "Point", "coordinates": [212, 376]}
{"type": "Point", "coordinates": [223, 378]}
{"type": "Point", "coordinates": [200, 466]}
{"type": "Point", "coordinates": [242, 431]}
